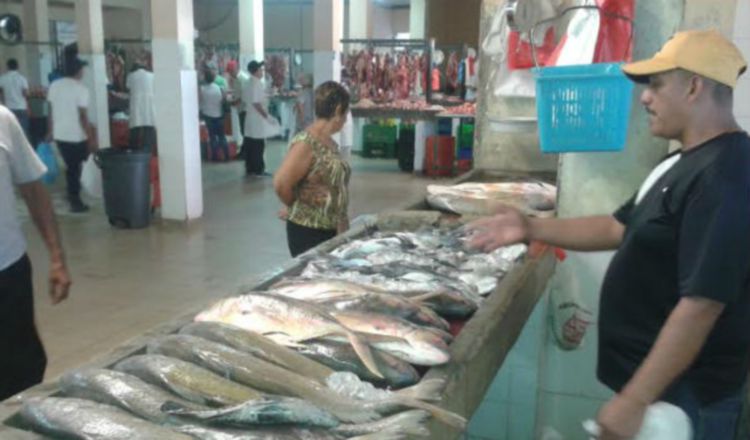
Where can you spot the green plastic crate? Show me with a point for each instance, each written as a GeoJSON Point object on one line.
{"type": "Point", "coordinates": [379, 134]}
{"type": "Point", "coordinates": [379, 149]}
{"type": "Point", "coordinates": [465, 136]}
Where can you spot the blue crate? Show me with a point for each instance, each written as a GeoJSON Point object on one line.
{"type": "Point", "coordinates": [445, 127]}
{"type": "Point", "coordinates": [464, 153]}
{"type": "Point", "coordinates": [583, 108]}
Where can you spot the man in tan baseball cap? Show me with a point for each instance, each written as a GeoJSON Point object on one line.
{"type": "Point", "coordinates": [675, 300]}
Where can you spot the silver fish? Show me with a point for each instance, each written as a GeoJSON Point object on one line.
{"type": "Point", "coordinates": [121, 390]}
{"type": "Point", "coordinates": [87, 420]}
{"type": "Point", "coordinates": [284, 320]}
{"type": "Point", "coordinates": [186, 380]}
{"type": "Point", "coordinates": [259, 346]}
{"type": "Point", "coordinates": [270, 410]}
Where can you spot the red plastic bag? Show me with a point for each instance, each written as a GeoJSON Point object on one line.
{"type": "Point", "coordinates": [615, 42]}
{"type": "Point", "coordinates": [519, 51]}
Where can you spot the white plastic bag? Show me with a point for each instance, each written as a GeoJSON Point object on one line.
{"type": "Point", "coordinates": [581, 36]}
{"type": "Point", "coordinates": [271, 127]}
{"type": "Point", "coordinates": [91, 179]}
{"type": "Point", "coordinates": [663, 421]}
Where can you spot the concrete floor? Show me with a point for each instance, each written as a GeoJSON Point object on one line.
{"type": "Point", "coordinates": [128, 281]}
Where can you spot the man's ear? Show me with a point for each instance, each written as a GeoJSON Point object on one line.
{"type": "Point", "coordinates": [696, 87]}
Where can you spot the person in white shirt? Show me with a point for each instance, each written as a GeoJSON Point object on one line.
{"type": "Point", "coordinates": [22, 357]}
{"type": "Point", "coordinates": [15, 93]}
{"type": "Point", "coordinates": [212, 112]}
{"type": "Point", "coordinates": [69, 127]}
{"type": "Point", "coordinates": [256, 100]}
{"type": "Point", "coordinates": [238, 80]}
{"type": "Point", "coordinates": [140, 85]}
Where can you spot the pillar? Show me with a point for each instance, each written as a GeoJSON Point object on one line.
{"type": "Point", "coordinates": [91, 48]}
{"type": "Point", "coordinates": [417, 19]}
{"type": "Point", "coordinates": [360, 19]}
{"type": "Point", "coordinates": [36, 29]}
{"type": "Point", "coordinates": [252, 43]}
{"type": "Point", "coordinates": [328, 30]}
{"type": "Point", "coordinates": [146, 19]}
{"type": "Point", "coordinates": [176, 102]}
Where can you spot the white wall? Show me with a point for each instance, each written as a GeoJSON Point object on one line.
{"type": "Point", "coordinates": [742, 40]}
{"type": "Point", "coordinates": [389, 22]}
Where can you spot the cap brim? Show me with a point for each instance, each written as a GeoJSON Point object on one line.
{"type": "Point", "coordinates": [640, 71]}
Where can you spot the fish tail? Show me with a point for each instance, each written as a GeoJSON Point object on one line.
{"type": "Point", "coordinates": [427, 390]}
{"type": "Point", "coordinates": [409, 423]}
{"type": "Point", "coordinates": [383, 435]}
{"type": "Point", "coordinates": [363, 351]}
{"type": "Point", "coordinates": [448, 418]}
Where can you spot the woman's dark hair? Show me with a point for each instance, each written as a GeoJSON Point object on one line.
{"type": "Point", "coordinates": [209, 76]}
{"type": "Point", "coordinates": [331, 100]}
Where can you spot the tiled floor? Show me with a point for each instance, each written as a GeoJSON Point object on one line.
{"type": "Point", "coordinates": [127, 281]}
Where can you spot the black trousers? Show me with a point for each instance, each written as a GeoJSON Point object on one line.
{"type": "Point", "coordinates": [242, 115]}
{"type": "Point", "coordinates": [22, 358]}
{"type": "Point", "coordinates": [143, 138]}
{"type": "Point", "coordinates": [301, 238]}
{"type": "Point", "coordinates": [253, 149]}
{"type": "Point", "coordinates": [74, 155]}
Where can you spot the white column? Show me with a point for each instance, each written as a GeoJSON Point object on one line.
{"type": "Point", "coordinates": [91, 48]}
{"type": "Point", "coordinates": [417, 19]}
{"type": "Point", "coordinates": [360, 19]}
{"type": "Point", "coordinates": [176, 101]}
{"type": "Point", "coordinates": [36, 29]}
{"type": "Point", "coordinates": [328, 30]}
{"type": "Point", "coordinates": [146, 20]}
{"type": "Point", "coordinates": [252, 44]}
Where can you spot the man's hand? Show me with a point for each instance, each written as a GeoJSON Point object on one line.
{"type": "Point", "coordinates": [283, 213]}
{"type": "Point", "coordinates": [59, 282]}
{"type": "Point", "coordinates": [508, 226]}
{"type": "Point", "coordinates": [621, 418]}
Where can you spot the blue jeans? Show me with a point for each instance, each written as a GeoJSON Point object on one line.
{"type": "Point", "coordinates": [216, 137]}
{"type": "Point", "coordinates": [715, 421]}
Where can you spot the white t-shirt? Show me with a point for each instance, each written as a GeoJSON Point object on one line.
{"type": "Point", "coordinates": [13, 85]}
{"type": "Point", "coordinates": [66, 96]}
{"type": "Point", "coordinates": [655, 175]}
{"type": "Point", "coordinates": [255, 123]}
{"type": "Point", "coordinates": [141, 86]}
{"type": "Point", "coordinates": [211, 100]}
{"type": "Point", "coordinates": [19, 164]}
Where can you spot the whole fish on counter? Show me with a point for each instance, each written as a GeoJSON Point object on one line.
{"type": "Point", "coordinates": [343, 295]}
{"type": "Point", "coordinates": [187, 380]}
{"type": "Point", "coordinates": [257, 373]}
{"type": "Point", "coordinates": [245, 368]}
{"type": "Point", "coordinates": [86, 420]}
{"type": "Point", "coordinates": [341, 357]}
{"type": "Point", "coordinates": [260, 347]}
{"type": "Point", "coordinates": [284, 320]}
{"type": "Point", "coordinates": [121, 390]}
{"type": "Point", "coordinates": [411, 343]}
{"type": "Point", "coordinates": [532, 197]}
{"type": "Point", "coordinates": [269, 410]}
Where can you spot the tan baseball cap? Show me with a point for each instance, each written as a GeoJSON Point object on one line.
{"type": "Point", "coordinates": [705, 52]}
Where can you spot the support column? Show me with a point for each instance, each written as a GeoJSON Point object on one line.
{"type": "Point", "coordinates": [252, 44]}
{"type": "Point", "coordinates": [360, 19]}
{"type": "Point", "coordinates": [176, 102]}
{"type": "Point", "coordinates": [91, 48]}
{"type": "Point", "coordinates": [146, 20]}
{"type": "Point", "coordinates": [417, 19]}
{"type": "Point", "coordinates": [328, 30]}
{"type": "Point", "coordinates": [38, 57]}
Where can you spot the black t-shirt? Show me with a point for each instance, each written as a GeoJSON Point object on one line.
{"type": "Point", "coordinates": [688, 236]}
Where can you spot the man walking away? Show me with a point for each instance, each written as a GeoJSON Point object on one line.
{"type": "Point", "coordinates": [69, 126]}
{"type": "Point", "coordinates": [22, 358]}
{"type": "Point", "coordinates": [256, 101]}
{"type": "Point", "coordinates": [15, 94]}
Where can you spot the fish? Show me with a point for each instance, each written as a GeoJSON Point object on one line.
{"type": "Point", "coordinates": [260, 347]}
{"type": "Point", "coordinates": [406, 422]}
{"type": "Point", "coordinates": [257, 373]}
{"type": "Point", "coordinates": [121, 390]}
{"type": "Point", "coordinates": [269, 410]}
{"type": "Point", "coordinates": [246, 369]}
{"type": "Point", "coordinates": [284, 433]}
{"type": "Point", "coordinates": [286, 321]}
{"type": "Point", "coordinates": [86, 420]}
{"type": "Point", "coordinates": [187, 380]}
{"type": "Point", "coordinates": [343, 295]}
{"type": "Point", "coordinates": [411, 343]}
{"type": "Point", "coordinates": [341, 357]}
{"type": "Point", "coordinates": [532, 197]}
{"type": "Point", "coordinates": [446, 303]}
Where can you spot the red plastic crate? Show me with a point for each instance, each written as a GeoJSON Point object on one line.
{"type": "Point", "coordinates": [439, 156]}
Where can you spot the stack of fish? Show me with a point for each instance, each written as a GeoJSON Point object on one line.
{"type": "Point", "coordinates": [299, 360]}
{"type": "Point", "coordinates": [530, 196]}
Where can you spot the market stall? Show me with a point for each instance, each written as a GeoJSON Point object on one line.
{"type": "Point", "coordinates": [476, 353]}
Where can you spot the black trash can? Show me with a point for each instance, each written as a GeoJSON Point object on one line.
{"type": "Point", "coordinates": [405, 148]}
{"type": "Point", "coordinates": [127, 189]}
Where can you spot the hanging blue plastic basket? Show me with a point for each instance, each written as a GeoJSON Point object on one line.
{"type": "Point", "coordinates": [582, 108]}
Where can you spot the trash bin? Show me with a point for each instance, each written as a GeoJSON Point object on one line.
{"type": "Point", "coordinates": [127, 191]}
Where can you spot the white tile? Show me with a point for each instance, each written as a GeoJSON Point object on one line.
{"type": "Point", "coordinates": [743, 43]}
{"type": "Point", "coordinates": [564, 414]}
{"type": "Point", "coordinates": [742, 18]}
{"type": "Point", "coordinates": [742, 98]}
{"type": "Point", "coordinates": [744, 123]}
{"type": "Point", "coordinates": [490, 421]}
